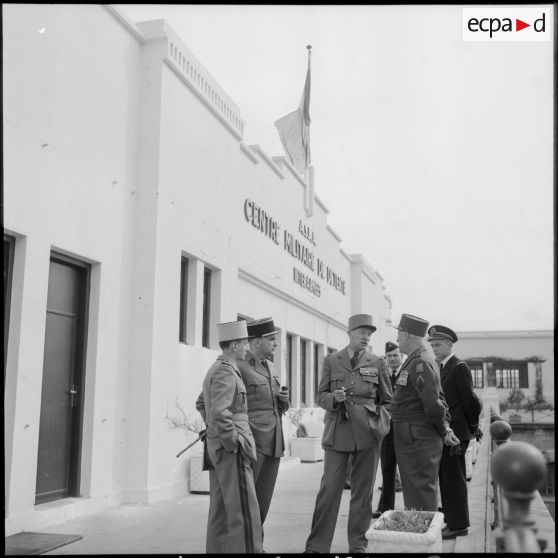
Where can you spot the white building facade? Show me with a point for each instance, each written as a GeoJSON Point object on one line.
{"type": "Point", "coordinates": [135, 220]}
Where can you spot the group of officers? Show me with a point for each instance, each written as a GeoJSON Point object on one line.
{"type": "Point", "coordinates": [418, 414]}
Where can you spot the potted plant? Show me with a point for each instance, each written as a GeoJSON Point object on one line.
{"type": "Point", "coordinates": [199, 479]}
{"type": "Point", "coordinates": [307, 441]}
{"type": "Point", "coordinates": [407, 531]}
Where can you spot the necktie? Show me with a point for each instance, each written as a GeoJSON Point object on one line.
{"type": "Point", "coordinates": [354, 359]}
{"type": "Point", "coordinates": [264, 364]}
{"type": "Point", "coordinates": [441, 367]}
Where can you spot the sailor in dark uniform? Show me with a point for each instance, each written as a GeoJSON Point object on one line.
{"type": "Point", "coordinates": [465, 408]}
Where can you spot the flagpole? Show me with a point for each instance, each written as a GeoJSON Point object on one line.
{"type": "Point", "coordinates": [309, 47]}
{"type": "Point", "coordinates": [309, 170]}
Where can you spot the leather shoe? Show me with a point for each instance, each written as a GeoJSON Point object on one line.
{"type": "Point", "coordinates": [376, 514]}
{"type": "Point", "coordinates": [448, 533]}
{"type": "Point", "coordinates": [398, 489]}
{"type": "Point", "coordinates": [310, 551]}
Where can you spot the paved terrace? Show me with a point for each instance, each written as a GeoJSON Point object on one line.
{"type": "Point", "coordinates": [178, 525]}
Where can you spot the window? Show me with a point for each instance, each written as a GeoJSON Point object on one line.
{"type": "Point", "coordinates": [512, 375]}
{"type": "Point", "coordinates": [476, 373]}
{"type": "Point", "coordinates": [9, 242]}
{"type": "Point", "coordinates": [316, 368]}
{"type": "Point", "coordinates": [206, 306]}
{"type": "Point", "coordinates": [183, 299]}
{"type": "Point", "coordinates": [303, 345]}
{"type": "Point", "coordinates": [289, 361]}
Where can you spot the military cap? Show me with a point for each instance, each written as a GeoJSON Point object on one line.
{"type": "Point", "coordinates": [413, 325]}
{"type": "Point", "coordinates": [390, 346]}
{"type": "Point", "coordinates": [361, 320]}
{"type": "Point", "coordinates": [231, 331]}
{"type": "Point", "coordinates": [441, 332]}
{"type": "Point", "coordinates": [261, 328]}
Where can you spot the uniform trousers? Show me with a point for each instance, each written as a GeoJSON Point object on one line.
{"type": "Point", "coordinates": [453, 488]}
{"type": "Point", "coordinates": [233, 524]}
{"type": "Point", "coordinates": [265, 476]}
{"type": "Point", "coordinates": [418, 450]}
{"type": "Point", "coordinates": [388, 463]}
{"type": "Point", "coordinates": [324, 519]}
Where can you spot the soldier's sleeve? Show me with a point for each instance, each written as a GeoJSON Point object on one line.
{"type": "Point", "coordinates": [435, 408]}
{"type": "Point", "coordinates": [386, 391]}
{"type": "Point", "coordinates": [469, 399]}
{"type": "Point", "coordinates": [222, 391]}
{"type": "Point", "coordinates": [325, 398]}
{"type": "Point", "coordinates": [200, 406]}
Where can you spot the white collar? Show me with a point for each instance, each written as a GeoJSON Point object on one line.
{"type": "Point", "coordinates": [445, 361]}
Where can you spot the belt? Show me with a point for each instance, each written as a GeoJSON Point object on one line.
{"type": "Point", "coordinates": [360, 399]}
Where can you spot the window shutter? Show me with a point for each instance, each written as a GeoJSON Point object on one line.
{"type": "Point", "coordinates": [523, 376]}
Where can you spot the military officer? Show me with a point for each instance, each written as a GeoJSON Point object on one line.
{"type": "Point", "coordinates": [464, 407]}
{"type": "Point", "coordinates": [266, 404]}
{"type": "Point", "coordinates": [420, 418]}
{"type": "Point", "coordinates": [233, 524]}
{"type": "Point", "coordinates": [354, 390]}
{"type": "Point", "coordinates": [388, 461]}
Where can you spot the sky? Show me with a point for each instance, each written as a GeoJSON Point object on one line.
{"type": "Point", "coordinates": [433, 154]}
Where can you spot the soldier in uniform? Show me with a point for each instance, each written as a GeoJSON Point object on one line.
{"type": "Point", "coordinates": [266, 404]}
{"type": "Point", "coordinates": [388, 461]}
{"type": "Point", "coordinates": [465, 408]}
{"type": "Point", "coordinates": [354, 390]}
{"type": "Point", "coordinates": [233, 524]}
{"type": "Point", "coordinates": [421, 421]}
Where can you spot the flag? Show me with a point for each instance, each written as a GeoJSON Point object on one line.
{"type": "Point", "coordinates": [294, 130]}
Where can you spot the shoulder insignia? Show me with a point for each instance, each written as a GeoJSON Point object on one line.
{"type": "Point", "coordinates": [420, 367]}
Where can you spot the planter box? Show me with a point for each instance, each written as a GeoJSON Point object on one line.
{"type": "Point", "coordinates": [199, 480]}
{"type": "Point", "coordinates": [382, 540]}
{"type": "Point", "coordinates": [308, 449]}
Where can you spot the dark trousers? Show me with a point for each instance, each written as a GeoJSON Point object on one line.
{"type": "Point", "coordinates": [418, 449]}
{"type": "Point", "coordinates": [363, 472]}
{"type": "Point", "coordinates": [453, 488]}
{"type": "Point", "coordinates": [388, 464]}
{"type": "Point", "coordinates": [265, 476]}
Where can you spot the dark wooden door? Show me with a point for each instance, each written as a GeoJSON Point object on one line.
{"type": "Point", "coordinates": [61, 400]}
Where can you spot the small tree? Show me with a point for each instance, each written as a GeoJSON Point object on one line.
{"type": "Point", "coordinates": [515, 398]}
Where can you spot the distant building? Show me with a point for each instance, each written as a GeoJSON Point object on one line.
{"type": "Point", "coordinates": [510, 359]}
{"type": "Point", "coordinates": [136, 218]}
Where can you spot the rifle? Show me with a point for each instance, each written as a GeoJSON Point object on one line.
{"type": "Point", "coordinates": [202, 435]}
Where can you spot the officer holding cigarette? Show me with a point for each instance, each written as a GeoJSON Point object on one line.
{"type": "Point", "coordinates": [354, 390]}
{"type": "Point", "coordinates": [266, 404]}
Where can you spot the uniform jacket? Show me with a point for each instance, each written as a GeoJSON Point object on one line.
{"type": "Point", "coordinates": [264, 407]}
{"type": "Point", "coordinates": [371, 389]}
{"type": "Point", "coordinates": [224, 408]}
{"type": "Point", "coordinates": [464, 405]}
{"type": "Point", "coordinates": [418, 395]}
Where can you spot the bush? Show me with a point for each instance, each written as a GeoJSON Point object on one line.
{"type": "Point", "coordinates": [410, 521]}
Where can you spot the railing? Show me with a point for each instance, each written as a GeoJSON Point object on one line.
{"type": "Point", "coordinates": [518, 470]}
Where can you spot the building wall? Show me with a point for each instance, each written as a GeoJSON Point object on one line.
{"type": "Point", "coordinates": [129, 166]}
{"type": "Point", "coordinates": [69, 170]}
